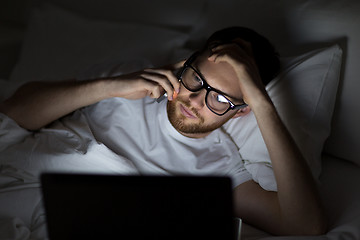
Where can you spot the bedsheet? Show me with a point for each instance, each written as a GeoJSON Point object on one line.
{"type": "Point", "coordinates": [65, 146]}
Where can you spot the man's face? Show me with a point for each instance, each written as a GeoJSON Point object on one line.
{"type": "Point", "coordinates": [189, 114]}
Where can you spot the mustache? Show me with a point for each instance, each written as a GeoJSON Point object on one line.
{"type": "Point", "coordinates": [187, 104]}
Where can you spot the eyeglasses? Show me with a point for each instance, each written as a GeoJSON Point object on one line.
{"type": "Point", "coordinates": [215, 100]}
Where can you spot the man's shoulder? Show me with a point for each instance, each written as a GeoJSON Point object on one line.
{"type": "Point", "coordinates": [121, 111]}
{"type": "Point", "coordinates": [116, 103]}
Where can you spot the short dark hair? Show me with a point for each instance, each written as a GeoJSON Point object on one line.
{"type": "Point", "coordinates": [266, 57]}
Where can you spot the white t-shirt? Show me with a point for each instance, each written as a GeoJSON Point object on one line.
{"type": "Point", "coordinates": [140, 131]}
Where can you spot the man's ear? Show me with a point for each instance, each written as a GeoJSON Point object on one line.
{"type": "Point", "coordinates": [242, 112]}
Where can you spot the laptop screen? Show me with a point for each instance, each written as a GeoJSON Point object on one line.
{"type": "Point", "coordinates": [80, 206]}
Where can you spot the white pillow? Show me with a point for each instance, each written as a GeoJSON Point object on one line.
{"type": "Point", "coordinates": [59, 44]}
{"type": "Point", "coordinates": [304, 94]}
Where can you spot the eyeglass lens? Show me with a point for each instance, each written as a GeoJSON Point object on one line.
{"type": "Point", "coordinates": [215, 101]}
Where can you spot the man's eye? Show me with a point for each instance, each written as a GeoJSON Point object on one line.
{"type": "Point", "coordinates": [198, 79]}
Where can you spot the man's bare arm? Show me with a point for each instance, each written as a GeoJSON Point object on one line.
{"type": "Point", "coordinates": [296, 207]}
{"type": "Point", "coordinates": [36, 104]}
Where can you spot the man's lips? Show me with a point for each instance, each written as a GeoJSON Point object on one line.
{"type": "Point", "coordinates": [187, 112]}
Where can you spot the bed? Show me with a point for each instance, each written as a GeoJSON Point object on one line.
{"type": "Point", "coordinates": [316, 92]}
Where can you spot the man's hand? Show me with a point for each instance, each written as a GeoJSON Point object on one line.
{"type": "Point", "coordinates": [152, 82]}
{"type": "Point", "coordinates": [240, 57]}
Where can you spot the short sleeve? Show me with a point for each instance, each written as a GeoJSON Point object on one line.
{"type": "Point", "coordinates": [247, 136]}
{"type": "Point", "coordinates": [240, 176]}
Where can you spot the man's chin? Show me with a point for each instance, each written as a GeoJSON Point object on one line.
{"type": "Point", "coordinates": [185, 125]}
{"type": "Point", "coordinates": [181, 122]}
{"type": "Point", "coordinates": [188, 126]}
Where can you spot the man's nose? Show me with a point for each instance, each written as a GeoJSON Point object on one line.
{"type": "Point", "coordinates": [197, 99]}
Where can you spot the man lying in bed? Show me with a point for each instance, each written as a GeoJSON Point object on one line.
{"type": "Point", "coordinates": [181, 135]}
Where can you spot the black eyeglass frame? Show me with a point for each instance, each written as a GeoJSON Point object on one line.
{"type": "Point", "coordinates": [206, 86]}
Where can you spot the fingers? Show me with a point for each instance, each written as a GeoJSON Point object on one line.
{"type": "Point", "coordinates": [152, 82]}
{"type": "Point", "coordinates": [165, 81]}
{"type": "Point", "coordinates": [239, 56]}
{"type": "Point", "coordinates": [228, 52]}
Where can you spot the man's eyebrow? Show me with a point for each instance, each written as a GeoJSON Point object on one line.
{"type": "Point", "coordinates": [232, 98]}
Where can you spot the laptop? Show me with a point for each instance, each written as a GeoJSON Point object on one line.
{"type": "Point", "coordinates": [87, 206]}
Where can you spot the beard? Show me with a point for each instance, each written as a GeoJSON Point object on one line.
{"type": "Point", "coordinates": [178, 121]}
